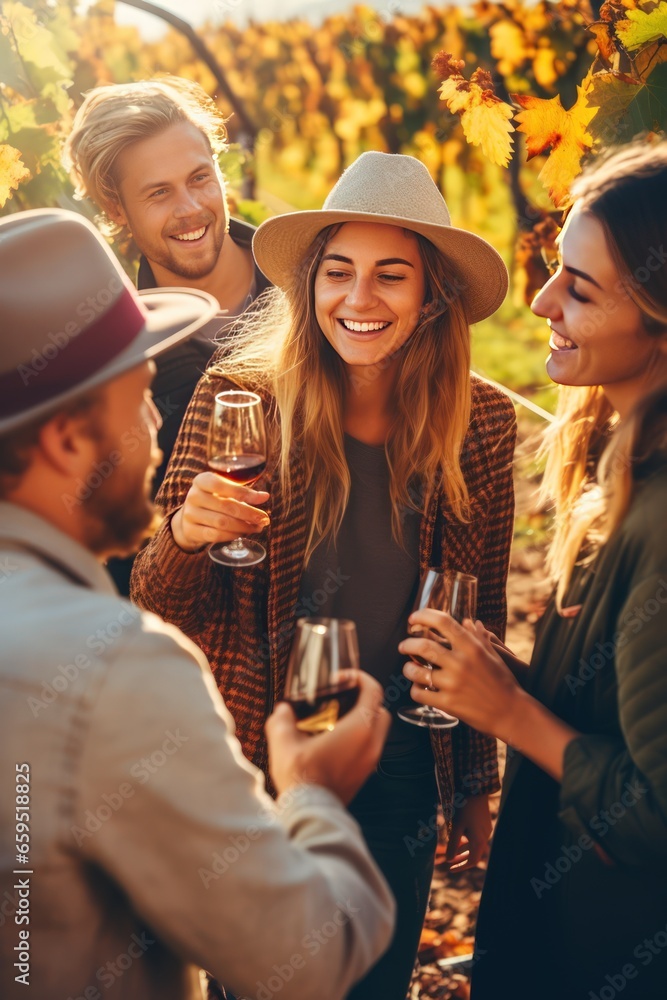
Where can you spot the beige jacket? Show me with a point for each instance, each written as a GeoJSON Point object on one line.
{"type": "Point", "coordinates": [151, 849]}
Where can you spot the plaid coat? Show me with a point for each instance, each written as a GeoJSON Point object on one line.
{"type": "Point", "coordinates": [243, 618]}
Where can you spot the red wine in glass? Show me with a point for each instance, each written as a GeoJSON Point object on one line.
{"type": "Point", "coordinates": [321, 684]}
{"type": "Point", "coordinates": [237, 451]}
{"type": "Point", "coordinates": [242, 469]}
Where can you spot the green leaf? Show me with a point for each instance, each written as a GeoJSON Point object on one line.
{"type": "Point", "coordinates": [612, 94]}
{"type": "Point", "coordinates": [36, 43]}
{"type": "Point", "coordinates": [638, 28]}
{"type": "Point", "coordinates": [649, 108]}
{"type": "Point", "coordinates": [12, 72]}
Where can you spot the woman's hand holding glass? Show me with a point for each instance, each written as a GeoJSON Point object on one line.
{"type": "Point", "coordinates": [472, 683]}
{"type": "Point", "coordinates": [217, 510]}
{"type": "Point", "coordinates": [219, 506]}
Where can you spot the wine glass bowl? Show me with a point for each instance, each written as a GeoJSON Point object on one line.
{"type": "Point", "coordinates": [321, 683]}
{"type": "Point", "coordinates": [237, 451]}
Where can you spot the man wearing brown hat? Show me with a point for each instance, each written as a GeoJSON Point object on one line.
{"type": "Point", "coordinates": [146, 154]}
{"type": "Point", "coordinates": [137, 846]}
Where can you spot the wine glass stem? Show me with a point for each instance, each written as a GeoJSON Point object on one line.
{"type": "Point", "coordinates": [237, 548]}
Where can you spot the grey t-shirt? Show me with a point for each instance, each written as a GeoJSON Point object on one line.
{"type": "Point", "coordinates": [372, 579]}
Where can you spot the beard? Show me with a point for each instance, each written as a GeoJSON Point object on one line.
{"type": "Point", "coordinates": [120, 515]}
{"type": "Point", "coordinates": [192, 270]}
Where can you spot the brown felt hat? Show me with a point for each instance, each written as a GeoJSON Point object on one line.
{"type": "Point", "coordinates": [394, 190]}
{"type": "Point", "coordinates": [71, 318]}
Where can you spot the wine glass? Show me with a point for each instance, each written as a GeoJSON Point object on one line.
{"type": "Point", "coordinates": [320, 685]}
{"type": "Point", "coordinates": [237, 451]}
{"type": "Point", "coordinates": [455, 593]}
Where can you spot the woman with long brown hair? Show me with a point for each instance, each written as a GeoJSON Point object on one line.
{"type": "Point", "coordinates": [575, 901]}
{"type": "Point", "coordinates": [385, 457]}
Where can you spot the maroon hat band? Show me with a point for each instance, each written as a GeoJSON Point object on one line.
{"type": "Point", "coordinates": [58, 369]}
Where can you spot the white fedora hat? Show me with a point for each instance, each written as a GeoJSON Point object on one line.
{"type": "Point", "coordinates": [71, 319]}
{"type": "Point", "coordinates": [395, 190]}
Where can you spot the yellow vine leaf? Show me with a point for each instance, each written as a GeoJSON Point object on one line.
{"type": "Point", "coordinates": [12, 172]}
{"type": "Point", "coordinates": [548, 126]}
{"type": "Point", "coordinates": [639, 27]}
{"type": "Point", "coordinates": [486, 120]}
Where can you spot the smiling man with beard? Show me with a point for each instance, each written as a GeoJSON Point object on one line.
{"type": "Point", "coordinates": [146, 153]}
{"type": "Point", "coordinates": [124, 795]}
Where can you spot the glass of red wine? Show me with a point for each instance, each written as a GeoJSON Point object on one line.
{"type": "Point", "coordinates": [320, 685]}
{"type": "Point", "coordinates": [455, 593]}
{"type": "Point", "coordinates": [237, 451]}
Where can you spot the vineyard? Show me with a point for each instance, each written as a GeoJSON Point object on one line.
{"type": "Point", "coordinates": [502, 102]}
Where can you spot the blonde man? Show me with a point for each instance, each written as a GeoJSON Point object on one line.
{"type": "Point", "coordinates": [146, 154]}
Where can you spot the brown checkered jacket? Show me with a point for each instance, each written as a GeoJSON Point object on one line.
{"type": "Point", "coordinates": [243, 618]}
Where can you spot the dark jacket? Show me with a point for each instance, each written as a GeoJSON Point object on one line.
{"type": "Point", "coordinates": [556, 919]}
{"type": "Point", "coordinates": [243, 618]}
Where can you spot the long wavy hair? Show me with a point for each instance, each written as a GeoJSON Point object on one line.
{"type": "Point", "coordinates": [281, 348]}
{"type": "Point", "coordinates": [592, 458]}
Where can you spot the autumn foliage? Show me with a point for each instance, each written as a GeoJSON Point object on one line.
{"type": "Point", "coordinates": [495, 94]}
{"type": "Point", "coordinates": [622, 92]}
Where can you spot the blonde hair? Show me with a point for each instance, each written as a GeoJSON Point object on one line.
{"type": "Point", "coordinates": [591, 456]}
{"type": "Point", "coordinates": [115, 116]}
{"type": "Point", "coordinates": [281, 348]}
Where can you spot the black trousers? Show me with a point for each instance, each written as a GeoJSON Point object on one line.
{"type": "Point", "coordinates": [397, 810]}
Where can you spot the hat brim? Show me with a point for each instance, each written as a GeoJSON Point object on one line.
{"type": "Point", "coordinates": [174, 314]}
{"type": "Point", "coordinates": [279, 244]}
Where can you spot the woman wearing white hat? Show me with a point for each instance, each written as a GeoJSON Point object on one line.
{"type": "Point", "coordinates": [385, 457]}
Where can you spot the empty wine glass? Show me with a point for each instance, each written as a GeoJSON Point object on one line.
{"type": "Point", "coordinates": [455, 593]}
{"type": "Point", "coordinates": [320, 685]}
{"type": "Point", "coordinates": [237, 451]}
